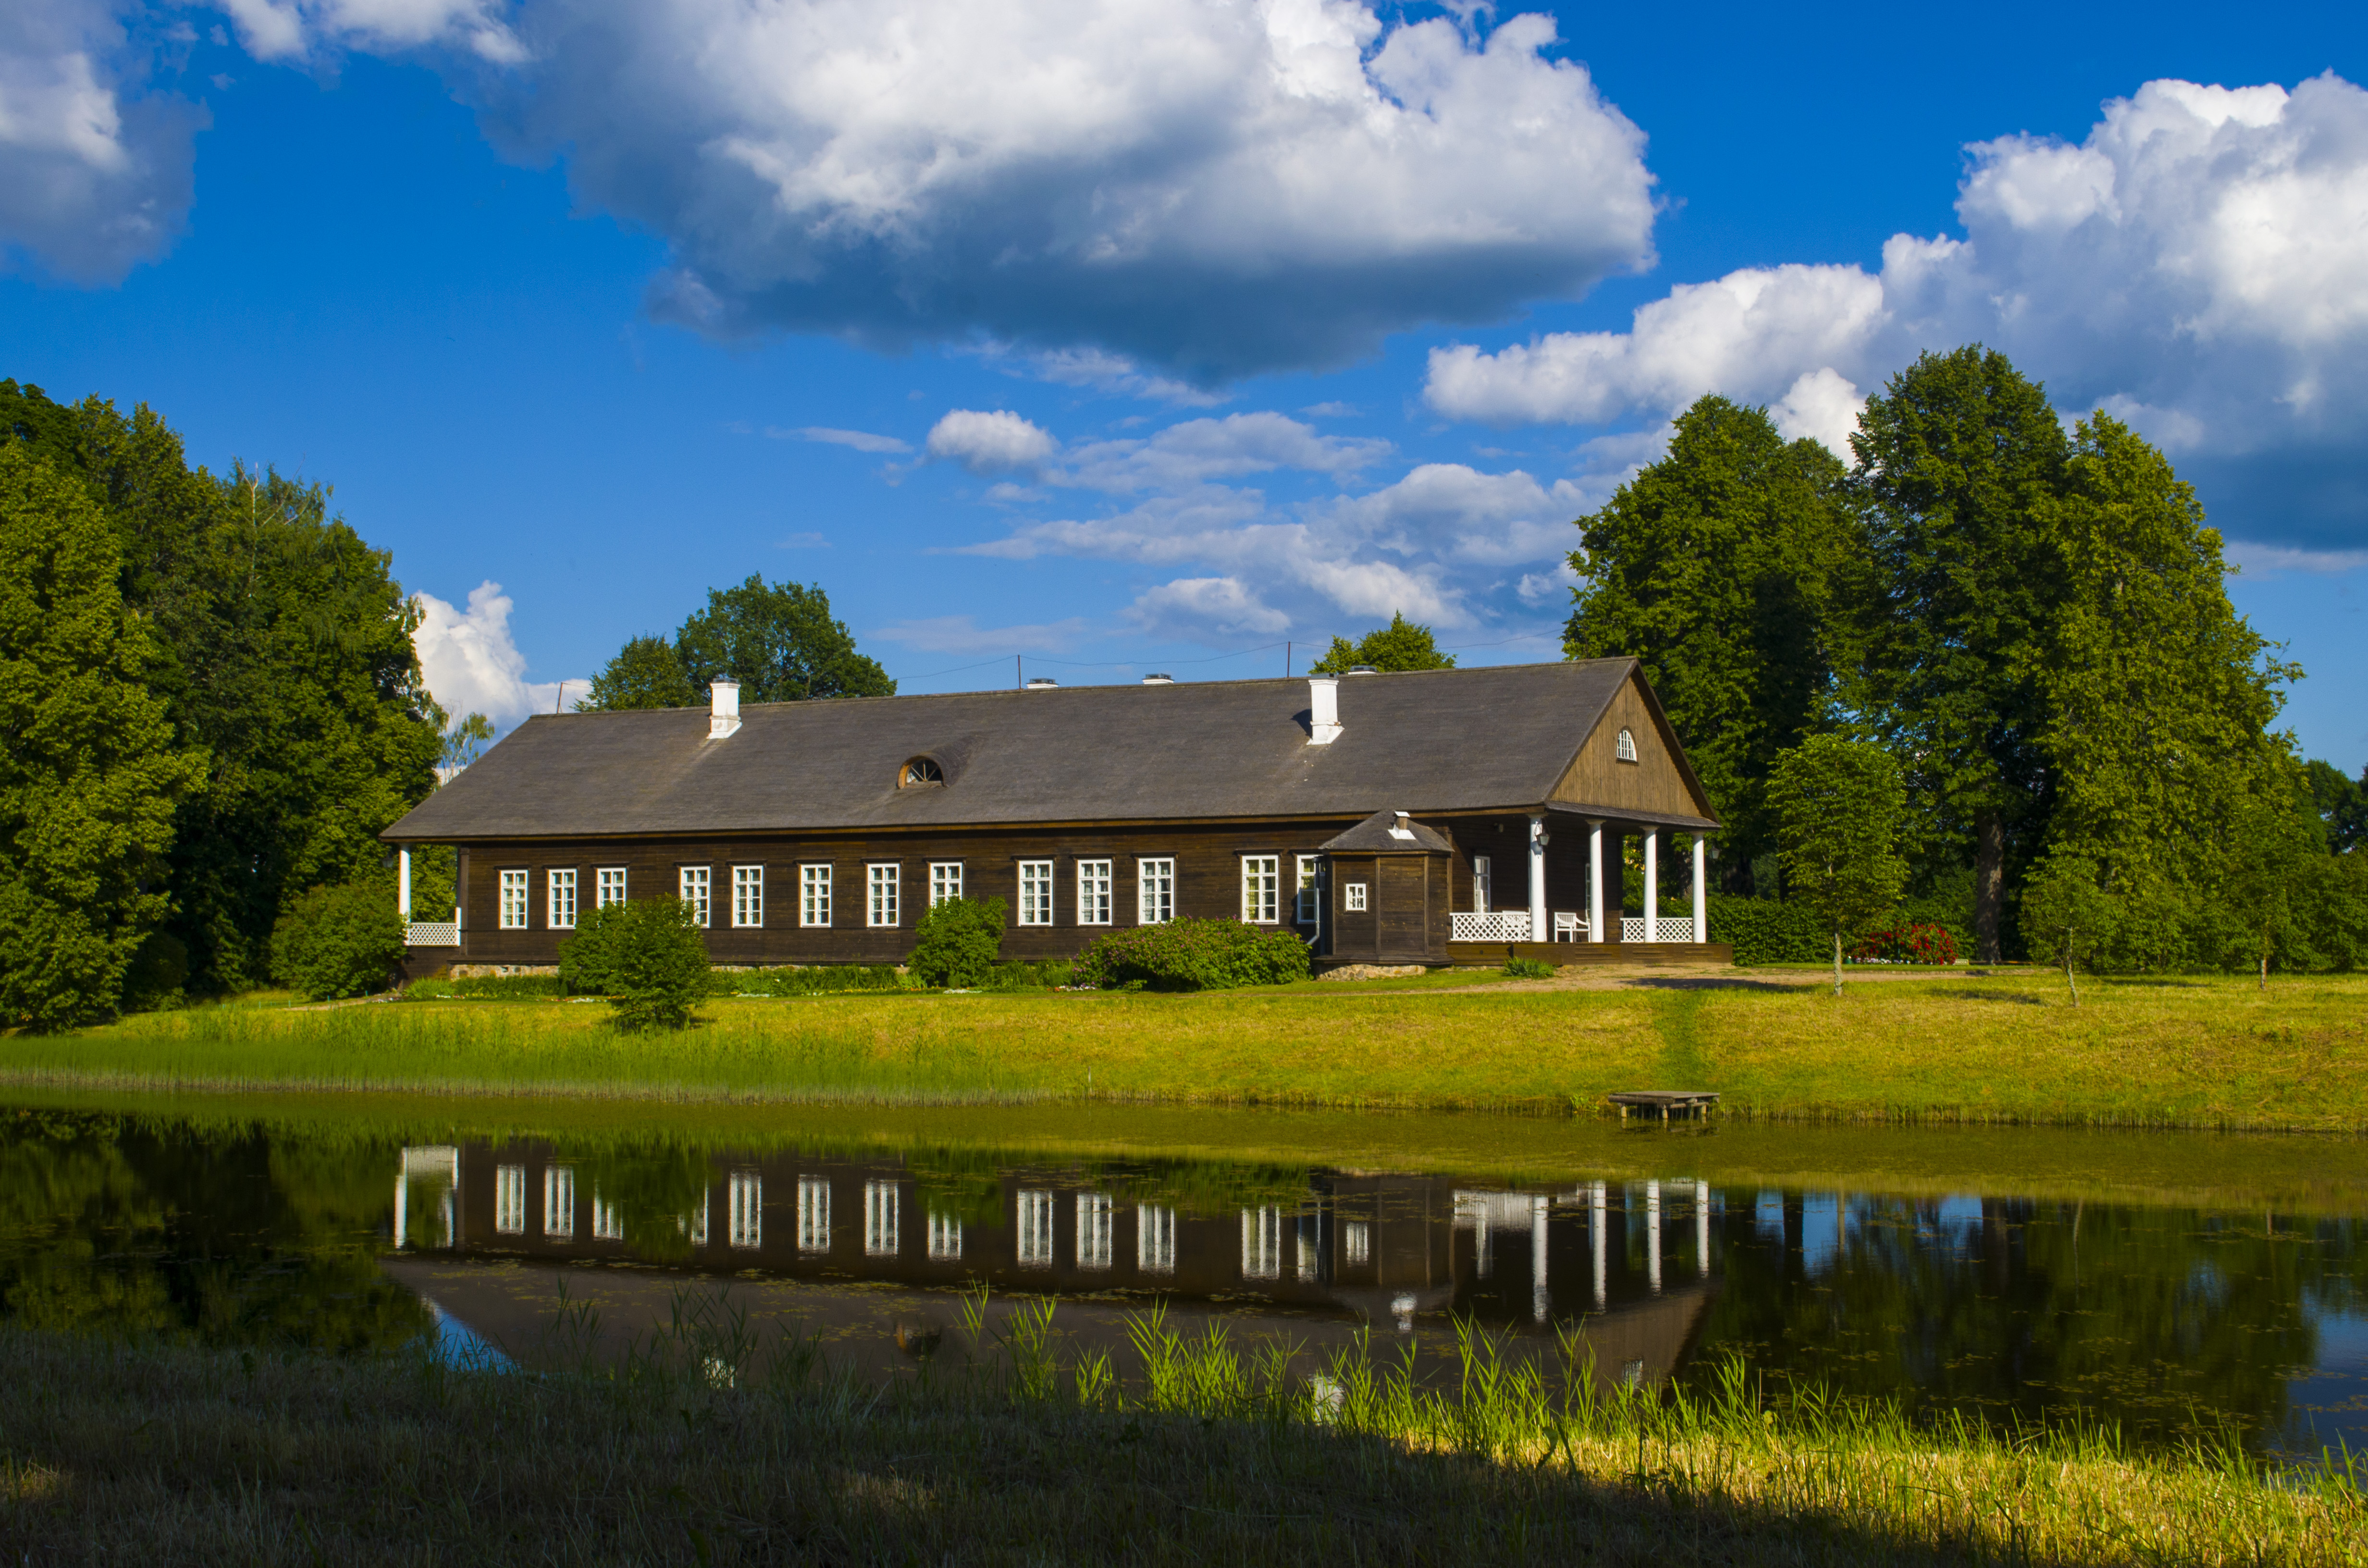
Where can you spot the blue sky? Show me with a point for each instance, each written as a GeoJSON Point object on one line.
{"type": "Point", "coordinates": [1135, 335]}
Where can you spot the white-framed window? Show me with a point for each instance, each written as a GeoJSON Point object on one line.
{"type": "Point", "coordinates": [559, 1201]}
{"type": "Point", "coordinates": [563, 899]}
{"type": "Point", "coordinates": [1155, 1239]}
{"type": "Point", "coordinates": [513, 905]}
{"type": "Point", "coordinates": [1352, 897]}
{"type": "Point", "coordinates": [1262, 1243]}
{"type": "Point", "coordinates": [813, 895]}
{"type": "Point", "coordinates": [814, 1213]}
{"type": "Point", "coordinates": [1310, 910]}
{"type": "Point", "coordinates": [607, 886]}
{"type": "Point", "coordinates": [1483, 887]}
{"type": "Point", "coordinates": [1093, 892]}
{"type": "Point", "coordinates": [608, 1219]}
{"type": "Point", "coordinates": [879, 1235]}
{"type": "Point", "coordinates": [695, 1222]}
{"type": "Point", "coordinates": [1624, 748]}
{"type": "Point", "coordinates": [945, 881]}
{"type": "Point", "coordinates": [1357, 1242]}
{"type": "Point", "coordinates": [1155, 891]}
{"type": "Point", "coordinates": [945, 1237]}
{"type": "Point", "coordinates": [881, 882]}
{"type": "Point", "coordinates": [747, 896]}
{"type": "Point", "coordinates": [698, 883]}
{"type": "Point", "coordinates": [510, 1200]}
{"type": "Point", "coordinates": [1035, 1230]}
{"type": "Point", "coordinates": [1093, 1230]}
{"type": "Point", "coordinates": [744, 1211]}
{"type": "Point", "coordinates": [1035, 893]}
{"type": "Point", "coordinates": [1263, 889]}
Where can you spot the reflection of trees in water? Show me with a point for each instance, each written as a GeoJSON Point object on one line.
{"type": "Point", "coordinates": [113, 1225]}
{"type": "Point", "coordinates": [2156, 1319]}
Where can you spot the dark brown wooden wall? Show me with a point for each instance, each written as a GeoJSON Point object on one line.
{"type": "Point", "coordinates": [1208, 873]}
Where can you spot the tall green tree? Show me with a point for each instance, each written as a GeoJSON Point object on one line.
{"type": "Point", "coordinates": [1401, 644]}
{"type": "Point", "coordinates": [646, 672]}
{"type": "Point", "coordinates": [2155, 697]}
{"type": "Point", "coordinates": [1714, 567]}
{"type": "Point", "coordinates": [1960, 462]}
{"type": "Point", "coordinates": [90, 772]}
{"type": "Point", "coordinates": [2067, 914]}
{"type": "Point", "coordinates": [284, 653]}
{"type": "Point", "coordinates": [2342, 803]}
{"type": "Point", "coordinates": [780, 641]}
{"type": "Point", "coordinates": [1836, 805]}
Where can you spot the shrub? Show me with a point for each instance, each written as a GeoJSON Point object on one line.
{"type": "Point", "coordinates": [1528, 968]}
{"type": "Point", "coordinates": [1020, 975]}
{"type": "Point", "coordinates": [645, 955]}
{"type": "Point", "coordinates": [339, 941]}
{"type": "Point", "coordinates": [1906, 941]}
{"type": "Point", "coordinates": [1766, 931]}
{"type": "Point", "coordinates": [1192, 955]}
{"type": "Point", "coordinates": [957, 942]}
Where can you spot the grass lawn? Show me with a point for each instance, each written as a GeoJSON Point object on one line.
{"type": "Point", "coordinates": [2191, 1052]}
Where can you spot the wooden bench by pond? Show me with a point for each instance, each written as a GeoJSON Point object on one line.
{"type": "Point", "coordinates": [1667, 1102]}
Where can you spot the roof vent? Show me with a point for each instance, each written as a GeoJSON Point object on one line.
{"type": "Point", "coordinates": [1362, 670]}
{"type": "Point", "coordinates": [1323, 710]}
{"type": "Point", "coordinates": [1159, 680]}
{"type": "Point", "coordinates": [724, 710]}
{"type": "Point", "coordinates": [1042, 683]}
{"type": "Point", "coordinates": [1403, 827]}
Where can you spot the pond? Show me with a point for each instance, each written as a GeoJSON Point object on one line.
{"type": "Point", "coordinates": [2179, 1287]}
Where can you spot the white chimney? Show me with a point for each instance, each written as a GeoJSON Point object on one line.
{"type": "Point", "coordinates": [1403, 827]}
{"type": "Point", "coordinates": [723, 710]}
{"type": "Point", "coordinates": [1323, 710]}
{"type": "Point", "coordinates": [1159, 680]}
{"type": "Point", "coordinates": [1042, 683]}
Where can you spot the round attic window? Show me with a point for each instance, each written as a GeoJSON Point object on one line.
{"type": "Point", "coordinates": [1625, 747]}
{"type": "Point", "coordinates": [920, 770]}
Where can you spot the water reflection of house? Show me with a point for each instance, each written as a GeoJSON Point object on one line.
{"type": "Point", "coordinates": [1353, 1249]}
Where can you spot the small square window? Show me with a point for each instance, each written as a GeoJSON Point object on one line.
{"type": "Point", "coordinates": [1093, 892]}
{"type": "Point", "coordinates": [1035, 893]}
{"type": "Point", "coordinates": [1352, 897]}
{"type": "Point", "coordinates": [945, 881]}
{"type": "Point", "coordinates": [747, 896]}
{"type": "Point", "coordinates": [882, 884]}
{"type": "Point", "coordinates": [697, 884]}
{"type": "Point", "coordinates": [513, 910]}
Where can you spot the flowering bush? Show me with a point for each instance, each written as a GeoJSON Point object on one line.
{"type": "Point", "coordinates": [1192, 955]}
{"type": "Point", "coordinates": [1907, 942]}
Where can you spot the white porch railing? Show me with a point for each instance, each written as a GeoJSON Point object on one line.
{"type": "Point", "coordinates": [1641, 928]}
{"type": "Point", "coordinates": [1496, 925]}
{"type": "Point", "coordinates": [432, 933]}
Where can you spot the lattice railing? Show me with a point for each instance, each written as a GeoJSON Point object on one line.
{"type": "Point", "coordinates": [1670, 928]}
{"type": "Point", "coordinates": [1496, 925]}
{"type": "Point", "coordinates": [433, 933]}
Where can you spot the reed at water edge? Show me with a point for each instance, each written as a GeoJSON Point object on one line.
{"type": "Point", "coordinates": [706, 1445]}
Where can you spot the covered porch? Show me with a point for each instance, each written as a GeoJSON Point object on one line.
{"type": "Point", "coordinates": [1572, 907]}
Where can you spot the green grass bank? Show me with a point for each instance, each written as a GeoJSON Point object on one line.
{"type": "Point", "coordinates": [2203, 1052]}
{"type": "Point", "coordinates": [706, 1447]}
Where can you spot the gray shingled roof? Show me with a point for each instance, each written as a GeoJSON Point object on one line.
{"type": "Point", "coordinates": [1426, 741]}
{"type": "Point", "coordinates": [1373, 835]}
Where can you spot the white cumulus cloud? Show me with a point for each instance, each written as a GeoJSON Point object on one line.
{"type": "Point", "coordinates": [282, 30]}
{"type": "Point", "coordinates": [989, 442]}
{"type": "Point", "coordinates": [471, 663]}
{"type": "Point", "coordinates": [2198, 264]}
{"type": "Point", "coordinates": [1196, 607]}
{"type": "Point", "coordinates": [1205, 188]}
{"type": "Point", "coordinates": [95, 172]}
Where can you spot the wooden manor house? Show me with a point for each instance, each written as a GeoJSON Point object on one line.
{"type": "Point", "coordinates": [1423, 817]}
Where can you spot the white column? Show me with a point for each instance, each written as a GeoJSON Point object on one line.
{"type": "Point", "coordinates": [1595, 881]}
{"type": "Point", "coordinates": [1653, 1235]}
{"type": "Point", "coordinates": [1701, 1228]}
{"type": "Point", "coordinates": [403, 884]}
{"type": "Point", "coordinates": [1598, 1212]}
{"type": "Point", "coordinates": [1538, 932]}
{"type": "Point", "coordinates": [1701, 893]}
{"type": "Point", "coordinates": [402, 1205]}
{"type": "Point", "coordinates": [1538, 1303]}
{"type": "Point", "coordinates": [1653, 886]}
